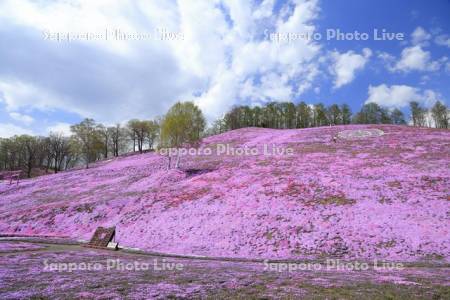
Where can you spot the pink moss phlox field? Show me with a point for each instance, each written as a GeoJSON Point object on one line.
{"type": "Point", "coordinates": [377, 197]}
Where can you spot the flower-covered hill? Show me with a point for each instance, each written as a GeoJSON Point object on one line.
{"type": "Point", "coordinates": [383, 196]}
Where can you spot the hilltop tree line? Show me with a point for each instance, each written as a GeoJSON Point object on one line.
{"type": "Point", "coordinates": [287, 115]}
{"type": "Point", "coordinates": [90, 141]}
{"type": "Point", "coordinates": [184, 124]}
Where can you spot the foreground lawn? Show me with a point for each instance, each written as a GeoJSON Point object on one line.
{"type": "Point", "coordinates": [35, 271]}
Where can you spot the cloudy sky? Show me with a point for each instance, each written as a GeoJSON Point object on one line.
{"type": "Point", "coordinates": [62, 61]}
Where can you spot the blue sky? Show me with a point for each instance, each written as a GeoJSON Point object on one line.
{"type": "Point", "coordinates": [220, 54]}
{"type": "Point", "coordinates": [400, 16]}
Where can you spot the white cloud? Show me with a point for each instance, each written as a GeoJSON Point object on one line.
{"type": "Point", "coordinates": [424, 79]}
{"type": "Point", "coordinates": [420, 36]}
{"type": "Point", "coordinates": [415, 58]}
{"type": "Point", "coordinates": [443, 40]}
{"type": "Point", "coordinates": [221, 94]}
{"type": "Point", "coordinates": [9, 130]}
{"type": "Point", "coordinates": [255, 70]}
{"type": "Point", "coordinates": [347, 64]}
{"type": "Point", "coordinates": [274, 87]}
{"type": "Point", "coordinates": [65, 16]}
{"type": "Point", "coordinates": [400, 95]}
{"type": "Point", "coordinates": [386, 57]}
{"type": "Point", "coordinates": [17, 94]}
{"type": "Point", "coordinates": [60, 128]}
{"type": "Point", "coordinates": [264, 10]}
{"type": "Point", "coordinates": [222, 53]}
{"type": "Point", "coordinates": [26, 119]}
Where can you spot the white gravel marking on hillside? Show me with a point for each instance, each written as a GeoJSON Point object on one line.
{"type": "Point", "coordinates": [360, 133]}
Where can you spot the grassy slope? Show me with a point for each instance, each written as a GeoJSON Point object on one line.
{"type": "Point", "coordinates": [384, 197]}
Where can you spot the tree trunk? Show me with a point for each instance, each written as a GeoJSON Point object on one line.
{"type": "Point", "coordinates": [56, 164]}
{"type": "Point", "coordinates": [169, 163]}
{"type": "Point", "coordinates": [140, 145]}
{"type": "Point", "coordinates": [177, 164]}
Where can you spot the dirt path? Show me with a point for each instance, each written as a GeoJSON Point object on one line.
{"type": "Point", "coordinates": [48, 270]}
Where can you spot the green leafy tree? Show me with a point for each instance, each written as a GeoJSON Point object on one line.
{"type": "Point", "coordinates": [105, 135]}
{"type": "Point", "coordinates": [334, 114]}
{"type": "Point", "coordinates": [118, 135]}
{"type": "Point", "coordinates": [303, 115]}
{"type": "Point", "coordinates": [219, 126]}
{"type": "Point", "coordinates": [86, 134]}
{"type": "Point", "coordinates": [397, 117]}
{"type": "Point", "coordinates": [183, 125]}
{"type": "Point", "coordinates": [133, 129]}
{"type": "Point", "coordinates": [289, 115]}
{"type": "Point", "coordinates": [384, 116]}
{"type": "Point", "coordinates": [417, 114]}
{"type": "Point", "coordinates": [29, 147]}
{"type": "Point", "coordinates": [346, 114]}
{"type": "Point", "coordinates": [320, 115]}
{"type": "Point", "coordinates": [440, 114]}
{"type": "Point", "coordinates": [60, 150]}
{"type": "Point", "coordinates": [371, 113]}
